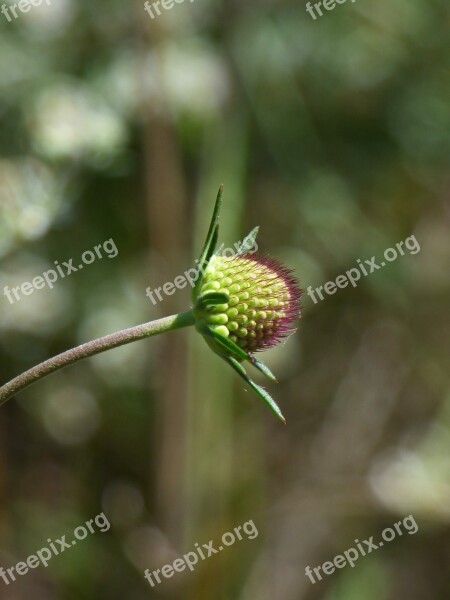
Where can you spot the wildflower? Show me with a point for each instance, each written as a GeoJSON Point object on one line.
{"type": "Point", "coordinates": [244, 304]}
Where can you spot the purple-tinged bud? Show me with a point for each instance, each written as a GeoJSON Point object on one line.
{"type": "Point", "coordinates": [263, 300]}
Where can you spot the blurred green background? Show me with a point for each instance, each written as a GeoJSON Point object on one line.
{"type": "Point", "coordinates": [333, 136]}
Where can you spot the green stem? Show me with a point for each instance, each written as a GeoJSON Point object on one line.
{"type": "Point", "coordinates": [120, 338]}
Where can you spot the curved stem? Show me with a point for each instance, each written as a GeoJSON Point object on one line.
{"type": "Point", "coordinates": [120, 338]}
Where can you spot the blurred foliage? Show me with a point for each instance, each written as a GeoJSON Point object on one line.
{"type": "Point", "coordinates": [333, 136]}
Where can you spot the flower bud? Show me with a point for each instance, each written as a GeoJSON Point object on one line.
{"type": "Point", "coordinates": [243, 304]}
{"type": "Point", "coordinates": [263, 300]}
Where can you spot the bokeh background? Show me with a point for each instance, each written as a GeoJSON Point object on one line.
{"type": "Point", "coordinates": [333, 136]}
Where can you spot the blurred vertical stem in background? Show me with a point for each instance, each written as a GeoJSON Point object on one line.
{"type": "Point", "coordinates": [165, 193]}
{"type": "Point", "coordinates": [210, 476]}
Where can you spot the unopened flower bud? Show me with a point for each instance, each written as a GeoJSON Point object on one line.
{"type": "Point", "coordinates": [263, 300]}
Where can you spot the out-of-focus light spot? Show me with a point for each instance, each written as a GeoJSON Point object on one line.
{"type": "Point", "coordinates": [193, 77]}
{"type": "Point", "coordinates": [147, 547]}
{"type": "Point", "coordinates": [30, 200]}
{"type": "Point", "coordinates": [122, 364]}
{"type": "Point", "coordinates": [118, 82]}
{"type": "Point", "coordinates": [68, 120]}
{"type": "Point", "coordinates": [407, 483]}
{"type": "Point", "coordinates": [123, 503]}
{"type": "Point", "coordinates": [48, 19]}
{"type": "Point", "coordinates": [41, 310]}
{"type": "Point", "coordinates": [190, 78]}
{"type": "Point", "coordinates": [71, 415]}
{"type": "Point", "coordinates": [127, 364]}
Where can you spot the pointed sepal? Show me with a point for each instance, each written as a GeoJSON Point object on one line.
{"type": "Point", "coordinates": [210, 242]}
{"type": "Point", "coordinates": [211, 298]}
{"type": "Point", "coordinates": [262, 367]}
{"type": "Point", "coordinates": [248, 243]}
{"type": "Point", "coordinates": [227, 346]}
{"type": "Point", "coordinates": [262, 393]}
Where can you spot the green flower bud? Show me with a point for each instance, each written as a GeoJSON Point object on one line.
{"type": "Point", "coordinates": [244, 304]}
{"type": "Point", "coordinates": [259, 317]}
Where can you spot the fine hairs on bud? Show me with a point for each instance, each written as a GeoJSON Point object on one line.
{"type": "Point", "coordinates": [264, 300]}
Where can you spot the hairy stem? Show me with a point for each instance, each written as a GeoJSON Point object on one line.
{"type": "Point", "coordinates": [120, 338]}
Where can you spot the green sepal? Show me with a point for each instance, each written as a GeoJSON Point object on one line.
{"type": "Point", "coordinates": [212, 247]}
{"type": "Point", "coordinates": [262, 393]}
{"type": "Point", "coordinates": [210, 242]}
{"type": "Point", "coordinates": [226, 346]}
{"type": "Point", "coordinates": [211, 299]}
{"type": "Point", "coordinates": [263, 368]}
{"type": "Point", "coordinates": [248, 242]}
